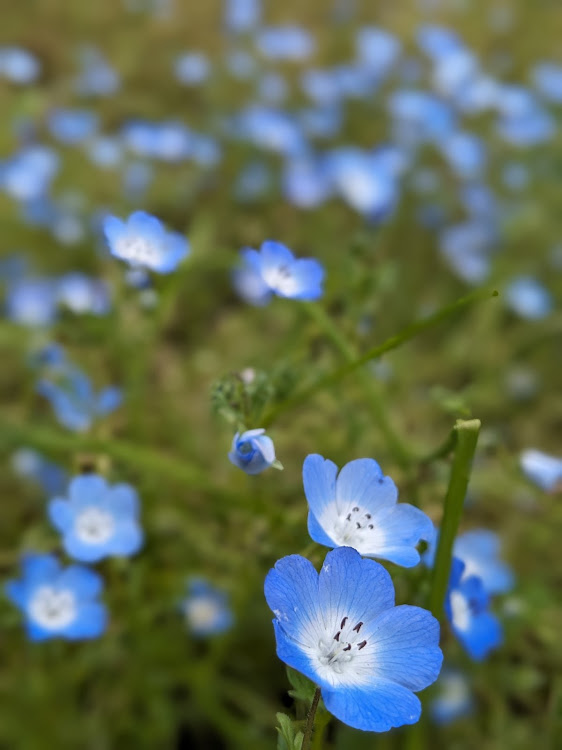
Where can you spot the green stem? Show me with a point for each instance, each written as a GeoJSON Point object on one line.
{"type": "Point", "coordinates": [307, 739]}
{"type": "Point", "coordinates": [398, 449]}
{"type": "Point", "coordinates": [408, 333]}
{"type": "Point", "coordinates": [466, 439]}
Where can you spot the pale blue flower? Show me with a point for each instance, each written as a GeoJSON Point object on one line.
{"type": "Point", "coordinates": [206, 609]}
{"type": "Point", "coordinates": [252, 451]}
{"type": "Point", "coordinates": [528, 298]}
{"type": "Point", "coordinates": [542, 469]}
{"type": "Point", "coordinates": [454, 697]}
{"type": "Point", "coordinates": [341, 629]}
{"type": "Point", "coordinates": [97, 520]}
{"type": "Point", "coordinates": [358, 508]}
{"type": "Point", "coordinates": [58, 602]}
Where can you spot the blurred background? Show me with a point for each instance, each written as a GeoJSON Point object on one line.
{"type": "Point", "coordinates": [414, 149]}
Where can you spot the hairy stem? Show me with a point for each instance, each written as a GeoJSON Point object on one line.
{"type": "Point", "coordinates": [307, 739]}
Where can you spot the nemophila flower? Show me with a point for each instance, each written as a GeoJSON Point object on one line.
{"type": "Point", "coordinates": [206, 609]}
{"type": "Point", "coordinates": [342, 630]}
{"type": "Point", "coordinates": [252, 451]}
{"type": "Point", "coordinates": [19, 65]}
{"type": "Point", "coordinates": [377, 49]}
{"type": "Point", "coordinates": [83, 294]}
{"type": "Point", "coordinates": [74, 401]}
{"type": "Point", "coordinates": [454, 698]}
{"type": "Point", "coordinates": [105, 152]}
{"type": "Point", "coordinates": [466, 607]}
{"type": "Point", "coordinates": [285, 43]}
{"type": "Point", "coordinates": [547, 78]}
{"type": "Point", "coordinates": [72, 126]}
{"type": "Point", "coordinates": [479, 550]}
{"type": "Point", "coordinates": [142, 240]}
{"type": "Point", "coordinates": [358, 508]}
{"type": "Point", "coordinates": [467, 248]}
{"type": "Point", "coordinates": [97, 77]}
{"type": "Point", "coordinates": [32, 302]}
{"type": "Point", "coordinates": [364, 181]}
{"type": "Point", "coordinates": [465, 153]}
{"type": "Point", "coordinates": [528, 298]}
{"type": "Point", "coordinates": [283, 274]}
{"type": "Point", "coordinates": [542, 469]}
{"type": "Point", "coordinates": [28, 174]}
{"type": "Point", "coordinates": [30, 464]}
{"type": "Point", "coordinates": [306, 183]}
{"type": "Point", "coordinates": [97, 520]}
{"type": "Point", "coordinates": [58, 602]}
{"type": "Point", "coordinates": [192, 68]}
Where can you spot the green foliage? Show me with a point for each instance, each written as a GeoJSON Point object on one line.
{"type": "Point", "coordinates": [288, 738]}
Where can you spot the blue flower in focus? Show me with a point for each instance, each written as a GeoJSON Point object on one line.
{"type": "Point", "coordinates": [542, 469]}
{"type": "Point", "coordinates": [358, 508]}
{"type": "Point", "coordinates": [97, 520]}
{"type": "Point", "coordinates": [58, 602]}
{"type": "Point", "coordinates": [74, 401]}
{"type": "Point", "coordinates": [466, 607]}
{"type": "Point", "coordinates": [206, 609]}
{"type": "Point", "coordinates": [454, 698]}
{"type": "Point", "coordinates": [32, 302]}
{"type": "Point", "coordinates": [342, 630]}
{"type": "Point", "coordinates": [282, 273]}
{"type": "Point", "coordinates": [252, 451]}
{"type": "Point", "coordinates": [528, 298]}
{"type": "Point", "coordinates": [142, 240]}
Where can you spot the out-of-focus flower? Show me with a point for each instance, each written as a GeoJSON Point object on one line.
{"type": "Point", "coordinates": [358, 508]}
{"type": "Point", "coordinates": [467, 249]}
{"type": "Point", "coordinates": [30, 464]}
{"type": "Point", "coordinates": [72, 126]}
{"type": "Point", "coordinates": [192, 68]}
{"type": "Point", "coordinates": [252, 451]}
{"type": "Point", "coordinates": [32, 302]}
{"type": "Point", "coordinates": [206, 609]}
{"type": "Point", "coordinates": [28, 175]}
{"type": "Point", "coordinates": [97, 520]}
{"type": "Point", "coordinates": [542, 469]}
{"type": "Point", "coordinates": [341, 629]}
{"type": "Point", "coordinates": [547, 78]}
{"type": "Point", "coordinates": [363, 180]}
{"type": "Point", "coordinates": [242, 15]}
{"type": "Point", "coordinates": [283, 274]}
{"type": "Point", "coordinates": [285, 43]}
{"type": "Point", "coordinates": [454, 697]}
{"type": "Point", "coordinates": [479, 550]}
{"type": "Point", "coordinates": [97, 77]}
{"type": "Point", "coordinates": [83, 294]}
{"type": "Point", "coordinates": [19, 65]}
{"type": "Point", "coordinates": [466, 607]}
{"type": "Point", "coordinates": [58, 602]}
{"type": "Point", "coordinates": [528, 298]}
{"type": "Point", "coordinates": [377, 49]}
{"type": "Point", "coordinates": [142, 240]}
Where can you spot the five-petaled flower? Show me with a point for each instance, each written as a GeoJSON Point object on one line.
{"type": "Point", "coordinates": [252, 451]}
{"type": "Point", "coordinates": [358, 508]}
{"type": "Point", "coordinates": [206, 609]}
{"type": "Point", "coordinates": [142, 240]}
{"type": "Point", "coordinates": [342, 630]}
{"type": "Point", "coordinates": [275, 270]}
{"type": "Point", "coordinates": [97, 520]}
{"type": "Point", "coordinates": [58, 602]}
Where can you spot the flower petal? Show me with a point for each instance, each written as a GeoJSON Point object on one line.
{"type": "Point", "coordinates": [383, 706]}
{"type": "Point", "coordinates": [319, 480]}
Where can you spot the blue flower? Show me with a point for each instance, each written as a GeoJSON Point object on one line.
{"type": "Point", "coordinates": [528, 298]}
{"type": "Point", "coordinates": [32, 302]}
{"type": "Point", "coordinates": [83, 294]}
{"type": "Point", "coordinates": [547, 78]}
{"type": "Point", "coordinates": [252, 451]}
{"type": "Point", "coordinates": [75, 403]}
{"type": "Point", "coordinates": [192, 68]}
{"type": "Point", "coordinates": [97, 520]}
{"type": "Point", "coordinates": [30, 464]}
{"type": "Point", "coordinates": [142, 240]}
{"type": "Point", "coordinates": [72, 126]}
{"type": "Point", "coordinates": [542, 469]}
{"type": "Point", "coordinates": [358, 509]}
{"type": "Point", "coordinates": [454, 698]}
{"type": "Point", "coordinates": [283, 274]}
{"type": "Point", "coordinates": [19, 65]}
{"type": "Point", "coordinates": [206, 609]}
{"type": "Point", "coordinates": [479, 551]}
{"type": "Point", "coordinates": [466, 607]}
{"type": "Point", "coordinates": [56, 601]}
{"type": "Point", "coordinates": [285, 43]}
{"type": "Point", "coordinates": [341, 629]}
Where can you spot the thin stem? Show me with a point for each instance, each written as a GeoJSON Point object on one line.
{"type": "Point", "coordinates": [398, 449]}
{"type": "Point", "coordinates": [307, 739]}
{"type": "Point", "coordinates": [408, 333]}
{"type": "Point", "coordinates": [467, 436]}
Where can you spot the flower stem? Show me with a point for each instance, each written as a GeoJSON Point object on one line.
{"type": "Point", "coordinates": [466, 438]}
{"type": "Point", "coordinates": [307, 739]}
{"type": "Point", "coordinates": [398, 449]}
{"type": "Point", "coordinates": [406, 334]}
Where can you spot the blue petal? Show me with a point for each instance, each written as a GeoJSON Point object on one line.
{"type": "Point", "coordinates": [114, 229]}
{"type": "Point", "coordinates": [108, 400]}
{"type": "Point", "coordinates": [319, 480]}
{"type": "Point", "coordinates": [127, 540]}
{"type": "Point", "coordinates": [37, 569]}
{"type": "Point", "coordinates": [37, 633]}
{"type": "Point", "coordinates": [143, 224]}
{"type": "Point", "coordinates": [357, 588]}
{"type": "Point", "coordinates": [383, 706]}
{"type": "Point", "coordinates": [90, 622]}
{"type": "Point", "coordinates": [485, 634]}
{"type": "Point", "coordinates": [17, 592]}
{"type": "Point", "coordinates": [83, 582]}
{"type": "Point", "coordinates": [401, 527]}
{"type": "Point", "coordinates": [85, 552]}
{"type": "Point", "coordinates": [87, 489]}
{"type": "Point", "coordinates": [274, 254]}
{"type": "Point", "coordinates": [122, 500]}
{"type": "Point", "coordinates": [61, 514]}
{"type": "Point", "coordinates": [362, 482]}
{"type": "Point", "coordinates": [406, 646]}
{"type": "Point", "coordinates": [317, 533]}
{"type": "Point", "coordinates": [292, 654]}
{"type": "Point", "coordinates": [307, 275]}
{"type": "Point", "coordinates": [291, 591]}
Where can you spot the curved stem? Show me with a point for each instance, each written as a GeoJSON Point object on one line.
{"type": "Point", "coordinates": [307, 739]}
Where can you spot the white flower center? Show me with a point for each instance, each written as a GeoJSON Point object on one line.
{"type": "Point", "coordinates": [94, 526]}
{"type": "Point", "coordinates": [460, 611]}
{"type": "Point", "coordinates": [281, 279]}
{"type": "Point", "coordinates": [138, 250]}
{"type": "Point", "coordinates": [343, 657]}
{"type": "Point", "coordinates": [202, 612]}
{"type": "Point", "coordinates": [352, 527]}
{"type": "Point", "coordinates": [52, 609]}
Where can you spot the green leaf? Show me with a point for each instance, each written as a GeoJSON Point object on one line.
{"type": "Point", "coordinates": [286, 738]}
{"type": "Point", "coordinates": [303, 688]}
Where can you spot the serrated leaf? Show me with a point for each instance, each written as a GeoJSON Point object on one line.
{"type": "Point", "coordinates": [303, 688]}
{"type": "Point", "coordinates": [286, 738]}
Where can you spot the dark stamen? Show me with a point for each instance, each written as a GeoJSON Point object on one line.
{"type": "Point", "coordinates": [337, 636]}
{"type": "Point", "coordinates": [361, 645]}
{"type": "Point", "coordinates": [357, 628]}
{"type": "Point", "coordinates": [348, 647]}
{"type": "Point", "coordinates": [348, 517]}
{"type": "Point", "coordinates": [371, 526]}
{"type": "Point", "coordinates": [358, 525]}
{"type": "Point", "coordinates": [342, 626]}
{"type": "Point", "coordinates": [368, 515]}
{"type": "Point", "coordinates": [356, 509]}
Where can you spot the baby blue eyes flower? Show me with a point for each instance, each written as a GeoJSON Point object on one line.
{"type": "Point", "coordinates": [479, 550]}
{"type": "Point", "coordinates": [342, 630]}
{"type": "Point", "coordinates": [454, 698]}
{"type": "Point", "coordinates": [58, 602]}
{"type": "Point", "coordinates": [542, 469]}
{"type": "Point", "coordinates": [528, 298]}
{"type": "Point", "coordinates": [283, 274]}
{"type": "Point", "coordinates": [97, 520]}
{"type": "Point", "coordinates": [358, 508]}
{"type": "Point", "coordinates": [206, 609]}
{"type": "Point", "coordinates": [142, 240]}
{"type": "Point", "coordinates": [466, 607]}
{"type": "Point", "coordinates": [252, 451]}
